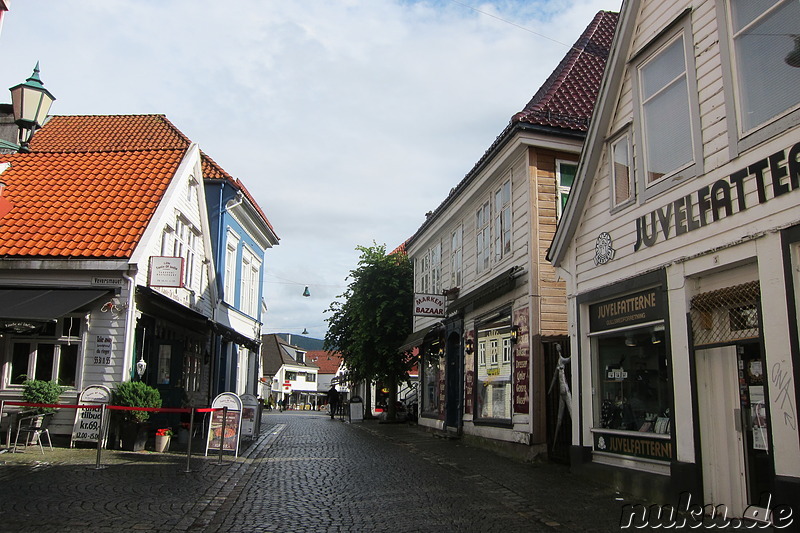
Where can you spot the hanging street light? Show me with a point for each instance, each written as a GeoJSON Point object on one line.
{"type": "Point", "coordinates": [31, 102]}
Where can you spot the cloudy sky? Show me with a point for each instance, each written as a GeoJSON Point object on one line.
{"type": "Point", "coordinates": [348, 120]}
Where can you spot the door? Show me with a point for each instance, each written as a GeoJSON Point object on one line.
{"type": "Point", "coordinates": [734, 444]}
{"type": "Point", "coordinates": [453, 373]}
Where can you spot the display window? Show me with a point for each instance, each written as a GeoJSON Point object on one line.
{"type": "Point", "coordinates": [632, 381]}
{"type": "Point", "coordinates": [493, 387]}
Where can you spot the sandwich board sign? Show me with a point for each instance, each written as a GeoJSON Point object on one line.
{"type": "Point", "coordinates": [89, 422]}
{"type": "Point", "coordinates": [230, 439]}
{"type": "Point", "coordinates": [249, 415]}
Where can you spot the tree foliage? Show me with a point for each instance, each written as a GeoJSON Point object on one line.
{"type": "Point", "coordinates": [372, 319]}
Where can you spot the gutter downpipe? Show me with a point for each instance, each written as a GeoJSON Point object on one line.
{"type": "Point", "coordinates": [130, 328]}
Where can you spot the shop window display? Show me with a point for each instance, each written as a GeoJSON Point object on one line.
{"type": "Point", "coordinates": [494, 370]}
{"type": "Point", "coordinates": [633, 381]}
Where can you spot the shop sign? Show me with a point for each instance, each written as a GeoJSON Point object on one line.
{"type": "Point", "coordinates": [429, 305]}
{"type": "Point", "coordinates": [88, 422]}
{"type": "Point", "coordinates": [249, 414]}
{"type": "Point", "coordinates": [521, 363]}
{"type": "Point", "coordinates": [637, 308]}
{"type": "Point", "coordinates": [165, 272]}
{"type": "Point", "coordinates": [102, 351]}
{"type": "Point", "coordinates": [633, 445]}
{"type": "Point", "coordinates": [769, 178]}
{"type": "Point", "coordinates": [103, 282]}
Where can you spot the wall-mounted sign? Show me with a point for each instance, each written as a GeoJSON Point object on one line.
{"type": "Point", "coordinates": [769, 178]}
{"type": "Point", "coordinates": [114, 282]}
{"type": "Point", "coordinates": [165, 272]}
{"type": "Point", "coordinates": [429, 305]}
{"type": "Point", "coordinates": [625, 444]}
{"type": "Point", "coordinates": [637, 308]}
{"type": "Point", "coordinates": [603, 251]}
{"type": "Point", "coordinates": [102, 350]}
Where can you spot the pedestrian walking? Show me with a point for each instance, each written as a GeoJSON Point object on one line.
{"type": "Point", "coordinates": [333, 400]}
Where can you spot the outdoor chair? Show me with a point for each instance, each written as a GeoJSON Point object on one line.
{"type": "Point", "coordinates": [33, 427]}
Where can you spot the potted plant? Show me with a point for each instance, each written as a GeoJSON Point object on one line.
{"type": "Point", "coordinates": [163, 436]}
{"type": "Point", "coordinates": [131, 424]}
{"type": "Point", "coordinates": [40, 391]}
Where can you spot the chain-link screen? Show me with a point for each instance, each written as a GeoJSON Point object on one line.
{"type": "Point", "coordinates": [726, 315]}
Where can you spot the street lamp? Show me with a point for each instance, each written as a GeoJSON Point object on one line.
{"type": "Point", "coordinates": [31, 103]}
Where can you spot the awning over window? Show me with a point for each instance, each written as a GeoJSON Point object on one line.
{"type": "Point", "coordinates": [416, 338]}
{"type": "Point", "coordinates": [44, 304]}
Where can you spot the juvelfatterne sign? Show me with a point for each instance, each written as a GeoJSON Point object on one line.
{"type": "Point", "coordinates": [429, 305]}
{"type": "Point", "coordinates": [771, 177]}
{"type": "Point", "coordinates": [637, 308]}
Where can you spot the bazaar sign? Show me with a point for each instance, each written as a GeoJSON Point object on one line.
{"type": "Point", "coordinates": [429, 305]}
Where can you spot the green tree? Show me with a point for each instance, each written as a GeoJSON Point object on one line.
{"type": "Point", "coordinates": [372, 319]}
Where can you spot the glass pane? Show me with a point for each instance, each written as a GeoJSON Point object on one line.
{"type": "Point", "coordinates": [45, 354]}
{"type": "Point", "coordinates": [567, 174]}
{"type": "Point", "coordinates": [746, 11]}
{"type": "Point", "coordinates": [19, 362]}
{"type": "Point", "coordinates": [662, 69]}
{"type": "Point", "coordinates": [768, 86]}
{"type": "Point", "coordinates": [164, 361]}
{"type": "Point", "coordinates": [668, 131]}
{"type": "Point", "coordinates": [621, 170]}
{"type": "Point", "coordinates": [68, 365]}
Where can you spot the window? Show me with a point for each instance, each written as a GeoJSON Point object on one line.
{"type": "Point", "coordinates": [164, 364]}
{"type": "Point", "coordinates": [185, 246]}
{"type": "Point", "coordinates": [502, 221]}
{"type": "Point", "coordinates": [565, 176]}
{"type": "Point", "coordinates": [665, 115]}
{"type": "Point", "coordinates": [621, 170]}
{"type": "Point", "coordinates": [251, 270]}
{"type": "Point", "coordinates": [229, 294]}
{"type": "Point", "coordinates": [763, 34]}
{"type": "Point", "coordinates": [311, 377]}
{"type": "Point", "coordinates": [432, 385]}
{"type": "Point", "coordinates": [52, 353]}
{"type": "Point", "coordinates": [456, 258]}
{"type": "Point", "coordinates": [633, 380]}
{"type": "Point", "coordinates": [429, 279]}
{"type": "Point", "coordinates": [494, 371]}
{"type": "Point", "coordinates": [483, 236]}
{"type": "Point", "coordinates": [291, 376]}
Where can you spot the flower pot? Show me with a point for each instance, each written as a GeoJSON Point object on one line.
{"type": "Point", "coordinates": [162, 443]}
{"type": "Point", "coordinates": [134, 436]}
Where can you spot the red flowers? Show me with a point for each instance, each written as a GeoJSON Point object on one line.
{"type": "Point", "coordinates": [164, 432]}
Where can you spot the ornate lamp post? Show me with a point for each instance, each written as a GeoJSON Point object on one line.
{"type": "Point", "coordinates": [31, 103]}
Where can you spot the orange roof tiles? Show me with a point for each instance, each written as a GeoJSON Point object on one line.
{"type": "Point", "coordinates": [82, 205]}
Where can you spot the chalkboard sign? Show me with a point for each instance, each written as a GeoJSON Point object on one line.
{"type": "Point", "coordinates": [88, 422]}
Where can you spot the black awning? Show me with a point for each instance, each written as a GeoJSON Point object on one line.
{"type": "Point", "coordinates": [44, 304]}
{"type": "Point", "coordinates": [231, 335]}
{"type": "Point", "coordinates": [416, 338]}
{"type": "Point", "coordinates": [155, 304]}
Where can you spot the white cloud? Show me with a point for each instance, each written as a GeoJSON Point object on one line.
{"type": "Point", "coordinates": [347, 119]}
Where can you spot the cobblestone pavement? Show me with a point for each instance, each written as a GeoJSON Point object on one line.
{"type": "Point", "coordinates": [305, 472]}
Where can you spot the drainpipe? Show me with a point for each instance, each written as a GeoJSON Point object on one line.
{"type": "Point", "coordinates": [130, 327]}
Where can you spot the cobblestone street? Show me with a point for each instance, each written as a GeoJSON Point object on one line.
{"type": "Point", "coordinates": [305, 472]}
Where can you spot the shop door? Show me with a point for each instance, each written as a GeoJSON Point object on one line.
{"type": "Point", "coordinates": [733, 428]}
{"type": "Point", "coordinates": [453, 375]}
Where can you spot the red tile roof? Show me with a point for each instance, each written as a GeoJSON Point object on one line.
{"type": "Point", "coordinates": [328, 362]}
{"type": "Point", "coordinates": [104, 133]}
{"type": "Point", "coordinates": [567, 98]}
{"type": "Point", "coordinates": [82, 205]}
{"type": "Point", "coordinates": [108, 133]}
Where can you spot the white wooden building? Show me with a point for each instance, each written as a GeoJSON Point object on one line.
{"type": "Point", "coordinates": [680, 248]}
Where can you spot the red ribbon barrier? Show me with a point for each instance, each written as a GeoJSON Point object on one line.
{"type": "Point", "coordinates": [118, 407]}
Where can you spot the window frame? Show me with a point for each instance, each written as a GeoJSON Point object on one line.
{"type": "Point", "coordinates": [740, 140]}
{"type": "Point", "coordinates": [502, 222]}
{"type": "Point", "coordinates": [679, 29]}
{"type": "Point", "coordinates": [457, 256]}
{"type": "Point", "coordinates": [483, 237]}
{"type": "Point", "coordinates": [623, 136]}
{"type": "Point", "coordinates": [561, 189]}
{"type": "Point", "coordinates": [250, 278]}
{"type": "Point", "coordinates": [58, 340]}
{"type": "Point", "coordinates": [231, 262]}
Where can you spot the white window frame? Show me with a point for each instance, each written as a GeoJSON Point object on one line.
{"type": "Point", "coordinates": [456, 256]}
{"type": "Point", "coordinates": [60, 339]}
{"type": "Point", "coordinates": [741, 138]}
{"type": "Point", "coordinates": [682, 31]}
{"type": "Point", "coordinates": [436, 268]}
{"type": "Point", "coordinates": [562, 190]}
{"type": "Point", "coordinates": [624, 140]}
{"type": "Point", "coordinates": [483, 237]}
{"type": "Point", "coordinates": [231, 262]}
{"type": "Point", "coordinates": [185, 245]}
{"type": "Point", "coordinates": [502, 220]}
{"type": "Point", "coordinates": [251, 269]}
